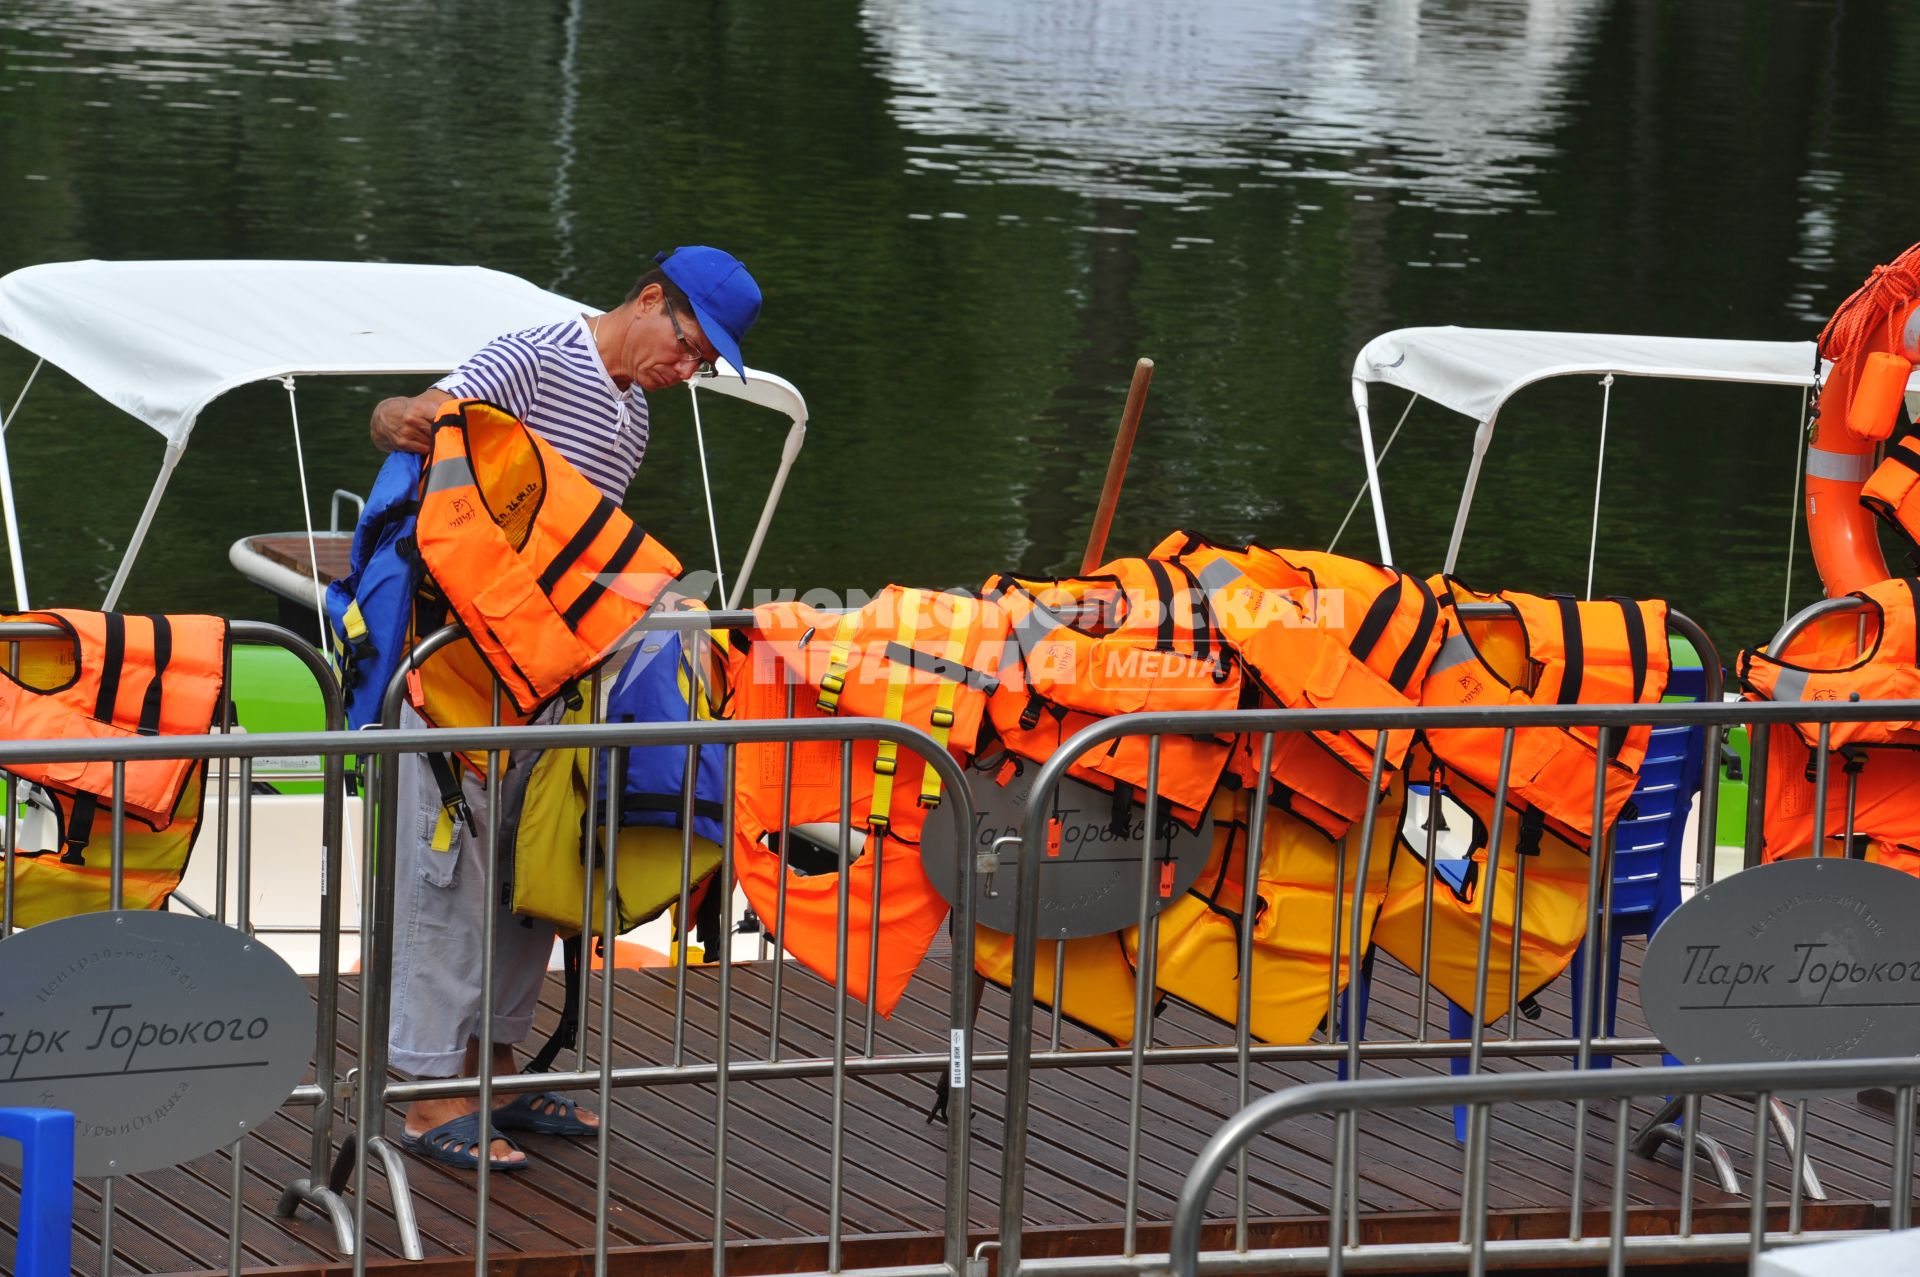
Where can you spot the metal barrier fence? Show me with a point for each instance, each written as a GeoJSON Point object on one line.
{"type": "Point", "coordinates": [332, 1177]}
{"type": "Point", "coordinates": [1346, 1101]}
{"type": "Point", "coordinates": [1580, 1047]}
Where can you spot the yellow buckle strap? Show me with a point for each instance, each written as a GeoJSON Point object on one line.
{"type": "Point", "coordinates": [898, 673]}
{"type": "Point", "coordinates": [835, 680]}
{"type": "Point", "coordinates": [948, 692]}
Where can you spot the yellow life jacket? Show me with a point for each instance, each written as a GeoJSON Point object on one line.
{"type": "Point", "coordinates": [1097, 987]}
{"type": "Point", "coordinates": [548, 870]}
{"type": "Point", "coordinates": [1553, 919]}
{"type": "Point", "coordinates": [47, 886]}
{"type": "Point", "coordinates": [1304, 886]}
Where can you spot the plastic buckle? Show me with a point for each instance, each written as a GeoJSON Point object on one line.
{"type": "Point", "coordinates": [884, 766]}
{"type": "Point", "coordinates": [942, 718]}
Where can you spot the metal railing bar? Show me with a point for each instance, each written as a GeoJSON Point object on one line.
{"type": "Point", "coordinates": [1520, 1088]}
{"type": "Point", "coordinates": [388, 741]}
{"type": "Point", "coordinates": [723, 1028]}
{"type": "Point", "coordinates": [1251, 857]}
{"type": "Point", "coordinates": [1757, 1189]}
{"type": "Point", "coordinates": [1401, 1257]}
{"type": "Point", "coordinates": [1146, 975]}
{"type": "Point", "coordinates": [1586, 998]}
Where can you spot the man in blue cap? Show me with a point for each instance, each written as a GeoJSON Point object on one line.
{"type": "Point", "coordinates": [581, 384]}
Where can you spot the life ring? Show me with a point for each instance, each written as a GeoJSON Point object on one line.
{"type": "Point", "coordinates": [1872, 342]}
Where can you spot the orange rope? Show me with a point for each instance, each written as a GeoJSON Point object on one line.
{"type": "Point", "coordinates": [1850, 332]}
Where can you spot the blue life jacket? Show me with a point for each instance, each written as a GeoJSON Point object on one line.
{"type": "Point", "coordinates": [653, 688]}
{"type": "Point", "coordinates": [370, 610]}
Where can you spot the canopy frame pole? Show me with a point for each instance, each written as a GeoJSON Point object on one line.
{"type": "Point", "coordinates": [706, 487]}
{"type": "Point", "coordinates": [167, 463]}
{"type": "Point", "coordinates": [1482, 439]}
{"type": "Point", "coordinates": [1802, 431]}
{"type": "Point", "coordinates": [1385, 448]}
{"type": "Point", "coordinates": [15, 555]}
{"type": "Point", "coordinates": [1373, 471]}
{"type": "Point", "coordinates": [789, 452]}
{"type": "Point", "coordinates": [306, 513]}
{"type": "Point", "coordinates": [1599, 473]}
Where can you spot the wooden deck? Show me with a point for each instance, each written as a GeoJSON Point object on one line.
{"type": "Point", "coordinates": [540, 1221]}
{"type": "Point", "coordinates": [289, 549]}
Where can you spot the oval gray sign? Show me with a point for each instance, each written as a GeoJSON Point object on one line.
{"type": "Point", "coordinates": [1089, 885]}
{"type": "Point", "coordinates": [1797, 960]}
{"type": "Point", "coordinates": [167, 1036]}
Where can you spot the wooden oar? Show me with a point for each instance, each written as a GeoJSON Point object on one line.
{"type": "Point", "coordinates": [1117, 466]}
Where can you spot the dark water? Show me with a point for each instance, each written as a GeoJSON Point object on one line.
{"type": "Point", "coordinates": [970, 217]}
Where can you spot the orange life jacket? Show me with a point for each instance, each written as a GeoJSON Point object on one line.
{"type": "Point", "coordinates": [1554, 651]}
{"type": "Point", "coordinates": [116, 676]}
{"type": "Point", "coordinates": [1892, 491]}
{"type": "Point", "coordinates": [1870, 654]}
{"type": "Point", "coordinates": [808, 792]}
{"type": "Point", "coordinates": [1134, 636]}
{"type": "Point", "coordinates": [1885, 801]}
{"type": "Point", "coordinates": [1318, 631]}
{"type": "Point", "coordinates": [921, 657]}
{"type": "Point", "coordinates": [546, 573]}
{"type": "Point", "coordinates": [1828, 661]}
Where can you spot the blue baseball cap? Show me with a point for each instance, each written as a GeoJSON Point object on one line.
{"type": "Point", "coordinates": [725, 299]}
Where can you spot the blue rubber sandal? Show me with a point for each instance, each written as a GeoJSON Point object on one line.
{"type": "Point", "coordinates": [457, 1144]}
{"type": "Point", "coordinates": [543, 1113]}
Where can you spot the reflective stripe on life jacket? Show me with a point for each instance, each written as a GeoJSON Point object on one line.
{"type": "Point", "coordinates": [1827, 661]}
{"type": "Point", "coordinates": [806, 917]}
{"type": "Point", "coordinates": [1553, 651]}
{"type": "Point", "coordinates": [114, 677]}
{"type": "Point", "coordinates": [1135, 636]}
{"type": "Point", "coordinates": [1318, 631]}
{"type": "Point", "coordinates": [546, 573]}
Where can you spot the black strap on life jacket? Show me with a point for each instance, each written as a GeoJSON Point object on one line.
{"type": "Point", "coordinates": [1380, 614]}
{"type": "Point", "coordinates": [604, 579]}
{"type": "Point", "coordinates": [79, 829]}
{"type": "Point", "coordinates": [1575, 671]}
{"type": "Point", "coordinates": [577, 544]}
{"type": "Point", "coordinates": [567, 1032]}
{"type": "Point", "coordinates": [452, 797]}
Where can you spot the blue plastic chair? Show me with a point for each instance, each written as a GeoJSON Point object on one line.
{"type": "Point", "coordinates": [45, 1244]}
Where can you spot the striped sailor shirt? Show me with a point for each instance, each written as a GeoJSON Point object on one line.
{"type": "Point", "coordinates": [552, 378]}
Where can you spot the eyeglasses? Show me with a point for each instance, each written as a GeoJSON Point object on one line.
{"type": "Point", "coordinates": [701, 365]}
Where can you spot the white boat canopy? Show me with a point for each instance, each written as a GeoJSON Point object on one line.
{"type": "Point", "coordinates": [162, 340]}
{"type": "Point", "coordinates": [1474, 371]}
